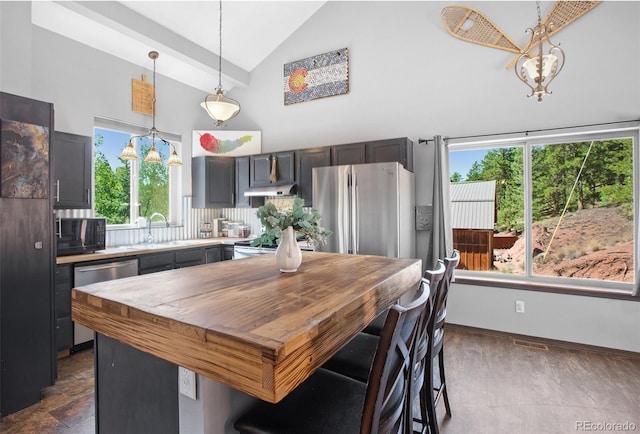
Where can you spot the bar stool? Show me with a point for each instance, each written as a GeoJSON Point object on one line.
{"type": "Point", "coordinates": [440, 386]}
{"type": "Point", "coordinates": [355, 358]}
{"type": "Point", "coordinates": [331, 403]}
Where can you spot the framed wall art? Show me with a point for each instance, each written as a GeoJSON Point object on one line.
{"type": "Point", "coordinates": [225, 143]}
{"type": "Point", "coordinates": [24, 152]}
{"type": "Point", "coordinates": [316, 77]}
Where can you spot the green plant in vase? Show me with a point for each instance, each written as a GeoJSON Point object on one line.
{"type": "Point", "coordinates": [305, 224]}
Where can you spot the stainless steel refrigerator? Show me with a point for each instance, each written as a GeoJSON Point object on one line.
{"type": "Point", "coordinates": [369, 207]}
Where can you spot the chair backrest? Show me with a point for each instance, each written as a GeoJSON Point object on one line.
{"type": "Point", "coordinates": [434, 279]}
{"type": "Point", "coordinates": [440, 305]}
{"type": "Point", "coordinates": [386, 409]}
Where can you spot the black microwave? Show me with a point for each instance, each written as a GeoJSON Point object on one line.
{"type": "Point", "coordinates": [75, 236]}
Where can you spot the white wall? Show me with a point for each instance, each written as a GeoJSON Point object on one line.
{"type": "Point", "coordinates": [432, 82]}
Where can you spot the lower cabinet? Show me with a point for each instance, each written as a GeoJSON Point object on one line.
{"type": "Point", "coordinates": [227, 253]}
{"type": "Point", "coordinates": [189, 258]}
{"type": "Point", "coordinates": [64, 326]}
{"type": "Point", "coordinates": [213, 254]}
{"type": "Point", "coordinates": [161, 261]}
{"type": "Point", "coordinates": [154, 262]}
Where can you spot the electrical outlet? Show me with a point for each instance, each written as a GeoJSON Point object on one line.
{"type": "Point", "coordinates": [187, 382]}
{"type": "Point", "coordinates": [519, 306]}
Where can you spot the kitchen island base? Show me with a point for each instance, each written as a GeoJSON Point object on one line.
{"type": "Point", "coordinates": [138, 393]}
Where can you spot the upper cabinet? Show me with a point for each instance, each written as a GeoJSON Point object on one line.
{"type": "Point", "coordinates": [242, 185]}
{"type": "Point", "coordinates": [353, 153]}
{"type": "Point", "coordinates": [213, 182]}
{"type": "Point", "coordinates": [270, 169]}
{"type": "Point", "coordinates": [306, 160]}
{"type": "Point", "coordinates": [385, 151]}
{"type": "Point", "coordinates": [71, 165]}
{"type": "Point", "coordinates": [378, 151]}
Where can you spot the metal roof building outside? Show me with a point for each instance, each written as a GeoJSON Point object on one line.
{"type": "Point", "coordinates": [473, 205]}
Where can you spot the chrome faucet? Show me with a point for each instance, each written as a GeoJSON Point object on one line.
{"type": "Point", "coordinates": [149, 236]}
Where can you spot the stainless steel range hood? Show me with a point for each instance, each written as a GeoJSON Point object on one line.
{"type": "Point", "coordinates": [272, 190]}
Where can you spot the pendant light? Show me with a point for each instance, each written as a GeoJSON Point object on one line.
{"type": "Point", "coordinates": [218, 106]}
{"type": "Point", "coordinates": [537, 71]}
{"type": "Point", "coordinates": [129, 152]}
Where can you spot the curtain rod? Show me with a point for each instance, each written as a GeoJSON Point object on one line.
{"type": "Point", "coordinates": [526, 133]}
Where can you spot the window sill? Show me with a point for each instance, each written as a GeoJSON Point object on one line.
{"type": "Point", "coordinates": [466, 278]}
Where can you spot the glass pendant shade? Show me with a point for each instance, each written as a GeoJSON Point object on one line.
{"type": "Point", "coordinates": [129, 152]}
{"type": "Point", "coordinates": [220, 108]}
{"type": "Point", "coordinates": [153, 156]}
{"type": "Point", "coordinates": [548, 62]}
{"type": "Point", "coordinates": [174, 159]}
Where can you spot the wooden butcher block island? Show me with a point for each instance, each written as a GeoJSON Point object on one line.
{"type": "Point", "coordinates": [244, 323]}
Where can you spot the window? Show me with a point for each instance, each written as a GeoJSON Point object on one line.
{"type": "Point", "coordinates": [125, 189]}
{"type": "Point", "coordinates": [556, 209]}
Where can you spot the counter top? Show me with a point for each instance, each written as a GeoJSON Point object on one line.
{"type": "Point", "coordinates": [142, 248]}
{"type": "Point", "coordinates": [244, 323]}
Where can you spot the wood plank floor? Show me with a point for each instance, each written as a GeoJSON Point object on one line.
{"type": "Point", "coordinates": [497, 385]}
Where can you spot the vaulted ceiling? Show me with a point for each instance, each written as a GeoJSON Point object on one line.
{"type": "Point", "coordinates": [185, 33]}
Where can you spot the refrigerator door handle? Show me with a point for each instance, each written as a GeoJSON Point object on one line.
{"type": "Point", "coordinates": [345, 224]}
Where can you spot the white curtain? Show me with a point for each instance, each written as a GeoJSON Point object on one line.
{"type": "Point", "coordinates": [441, 244]}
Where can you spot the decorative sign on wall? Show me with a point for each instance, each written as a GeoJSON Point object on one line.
{"type": "Point", "coordinates": [225, 143]}
{"type": "Point", "coordinates": [24, 152]}
{"type": "Point", "coordinates": [317, 77]}
{"type": "Point", "coordinates": [142, 96]}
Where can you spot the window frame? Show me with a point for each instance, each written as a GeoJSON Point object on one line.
{"type": "Point", "coordinates": [175, 173]}
{"type": "Point", "coordinates": [528, 280]}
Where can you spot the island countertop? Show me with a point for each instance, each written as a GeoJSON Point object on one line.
{"type": "Point", "coordinates": [244, 323]}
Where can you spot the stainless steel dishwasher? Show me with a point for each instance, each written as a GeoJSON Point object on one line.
{"type": "Point", "coordinates": [85, 275]}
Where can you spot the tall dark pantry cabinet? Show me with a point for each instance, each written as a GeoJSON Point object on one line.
{"type": "Point", "coordinates": [26, 252]}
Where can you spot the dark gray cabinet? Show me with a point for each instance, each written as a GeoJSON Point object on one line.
{"type": "Point", "coordinates": [27, 355]}
{"type": "Point", "coordinates": [213, 182]}
{"type": "Point", "coordinates": [386, 151]}
{"type": "Point", "coordinates": [71, 166]}
{"type": "Point", "coordinates": [189, 258]}
{"type": "Point", "coordinates": [219, 253]}
{"type": "Point", "coordinates": [377, 151]}
{"type": "Point", "coordinates": [242, 182]}
{"type": "Point", "coordinates": [181, 258]}
{"type": "Point", "coordinates": [353, 153]}
{"type": "Point", "coordinates": [260, 168]}
{"type": "Point", "coordinates": [154, 262]}
{"type": "Point", "coordinates": [242, 185]}
{"type": "Point", "coordinates": [227, 253]}
{"type": "Point", "coordinates": [306, 160]}
{"type": "Point", "coordinates": [63, 324]}
{"type": "Point", "coordinates": [213, 254]}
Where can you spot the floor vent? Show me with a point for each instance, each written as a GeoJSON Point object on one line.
{"type": "Point", "coordinates": [528, 344]}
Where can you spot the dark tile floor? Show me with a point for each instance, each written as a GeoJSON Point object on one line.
{"type": "Point", "coordinates": [497, 385]}
{"type": "Point", "coordinates": [67, 407]}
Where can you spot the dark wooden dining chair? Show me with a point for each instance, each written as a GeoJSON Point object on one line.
{"type": "Point", "coordinates": [331, 403]}
{"type": "Point", "coordinates": [439, 317]}
{"type": "Point", "coordinates": [355, 359]}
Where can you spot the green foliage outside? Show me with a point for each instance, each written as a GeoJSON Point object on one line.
{"type": "Point", "coordinates": [113, 187]}
{"type": "Point", "coordinates": [606, 179]}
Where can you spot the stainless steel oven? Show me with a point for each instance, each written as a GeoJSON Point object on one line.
{"type": "Point", "coordinates": [244, 249]}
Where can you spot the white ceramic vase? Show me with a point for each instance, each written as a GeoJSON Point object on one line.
{"type": "Point", "coordinates": [288, 254]}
